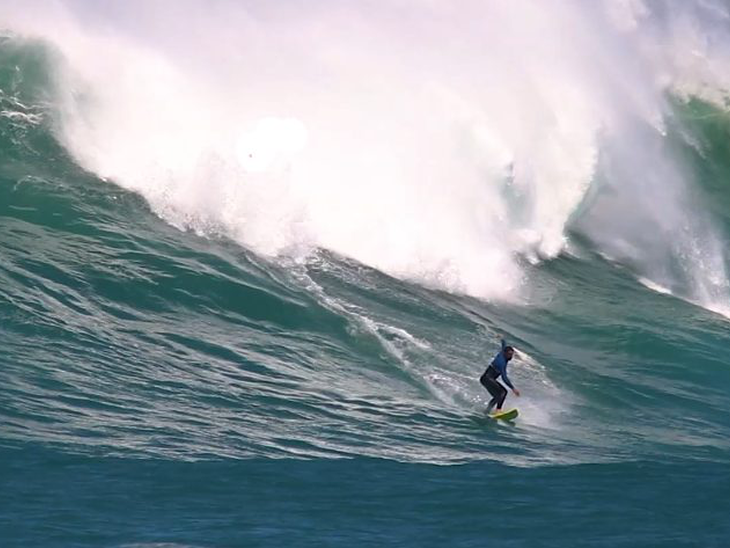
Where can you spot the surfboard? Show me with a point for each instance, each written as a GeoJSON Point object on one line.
{"type": "Point", "coordinates": [505, 415]}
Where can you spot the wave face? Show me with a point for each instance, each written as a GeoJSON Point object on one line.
{"type": "Point", "coordinates": [254, 258]}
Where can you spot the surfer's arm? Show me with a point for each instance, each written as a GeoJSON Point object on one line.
{"type": "Point", "coordinates": [500, 364]}
{"type": "Point", "coordinates": [506, 380]}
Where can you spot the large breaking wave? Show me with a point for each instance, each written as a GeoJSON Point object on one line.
{"type": "Point", "coordinates": [438, 142]}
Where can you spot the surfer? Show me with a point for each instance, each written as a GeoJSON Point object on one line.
{"type": "Point", "coordinates": [498, 368]}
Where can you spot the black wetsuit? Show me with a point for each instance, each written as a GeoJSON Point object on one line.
{"type": "Point", "coordinates": [498, 392]}
{"type": "Point", "coordinates": [497, 368]}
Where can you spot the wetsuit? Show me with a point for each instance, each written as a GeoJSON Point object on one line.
{"type": "Point", "coordinates": [497, 368]}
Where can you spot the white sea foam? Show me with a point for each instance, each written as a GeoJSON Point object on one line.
{"type": "Point", "coordinates": [655, 286]}
{"type": "Point", "coordinates": [435, 141]}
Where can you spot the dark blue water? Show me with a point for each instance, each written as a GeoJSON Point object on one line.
{"type": "Point", "coordinates": [363, 502]}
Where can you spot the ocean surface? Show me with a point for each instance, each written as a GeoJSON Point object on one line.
{"type": "Point", "coordinates": [251, 270]}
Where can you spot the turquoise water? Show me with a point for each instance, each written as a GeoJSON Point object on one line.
{"type": "Point", "coordinates": [167, 386]}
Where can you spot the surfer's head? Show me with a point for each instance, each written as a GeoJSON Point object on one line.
{"type": "Point", "coordinates": [509, 352]}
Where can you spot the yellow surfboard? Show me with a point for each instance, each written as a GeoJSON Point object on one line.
{"type": "Point", "coordinates": [505, 415]}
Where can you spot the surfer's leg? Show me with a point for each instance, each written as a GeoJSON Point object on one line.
{"type": "Point", "coordinates": [488, 383]}
{"type": "Point", "coordinates": [495, 389]}
{"type": "Point", "coordinates": [490, 405]}
{"type": "Point", "coordinates": [502, 396]}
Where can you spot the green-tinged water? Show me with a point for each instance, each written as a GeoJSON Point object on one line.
{"type": "Point", "coordinates": [160, 387]}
